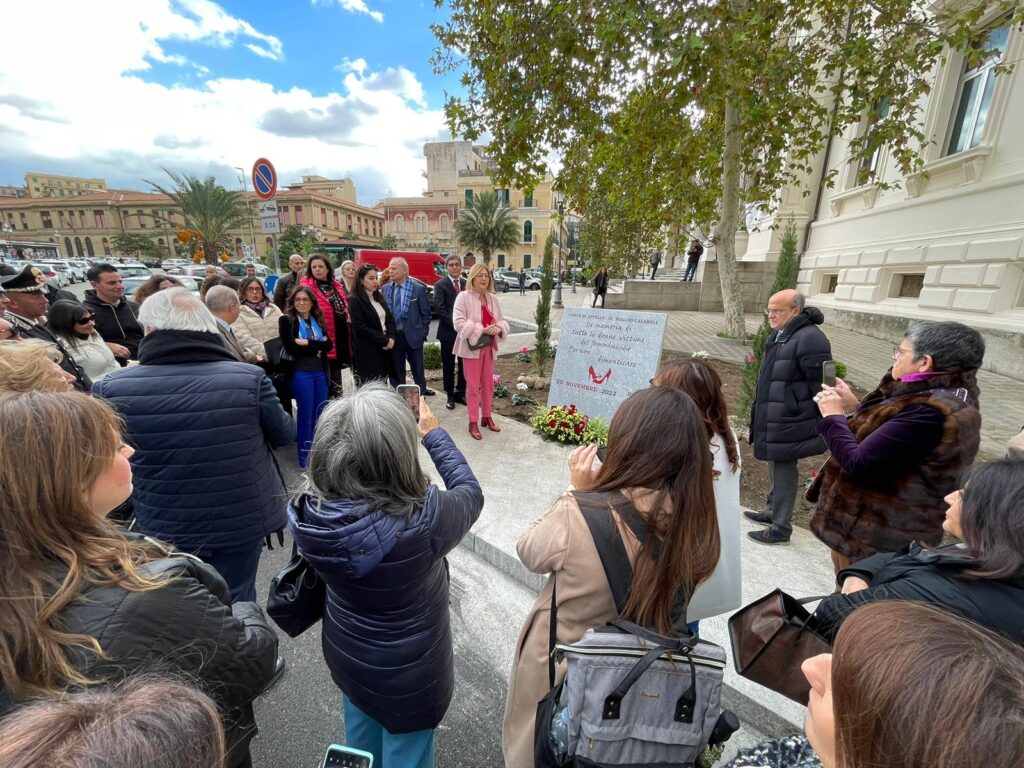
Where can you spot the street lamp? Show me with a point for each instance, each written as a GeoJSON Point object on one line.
{"type": "Point", "coordinates": [558, 270]}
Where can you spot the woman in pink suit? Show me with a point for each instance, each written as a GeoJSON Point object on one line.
{"type": "Point", "coordinates": [476, 317]}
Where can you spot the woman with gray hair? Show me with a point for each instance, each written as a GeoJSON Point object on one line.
{"type": "Point", "coordinates": [902, 449]}
{"type": "Point", "coordinates": [377, 531]}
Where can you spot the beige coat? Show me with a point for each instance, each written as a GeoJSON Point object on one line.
{"type": "Point", "coordinates": [252, 331]}
{"type": "Point", "coordinates": [558, 543]}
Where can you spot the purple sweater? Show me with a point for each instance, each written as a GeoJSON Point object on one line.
{"type": "Point", "coordinates": [904, 440]}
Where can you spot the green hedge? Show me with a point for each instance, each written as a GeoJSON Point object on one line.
{"type": "Point", "coordinates": [432, 356]}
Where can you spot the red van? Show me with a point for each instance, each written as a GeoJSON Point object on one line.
{"type": "Point", "coordinates": [426, 267]}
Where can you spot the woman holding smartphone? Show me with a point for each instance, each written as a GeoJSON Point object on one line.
{"type": "Point", "coordinates": [479, 324]}
{"type": "Point", "coordinates": [304, 337]}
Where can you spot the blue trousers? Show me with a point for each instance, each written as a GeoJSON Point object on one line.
{"type": "Point", "coordinates": [400, 353]}
{"type": "Point", "coordinates": [310, 391]}
{"type": "Point", "coordinates": [389, 750]}
{"type": "Point", "coordinates": [237, 566]}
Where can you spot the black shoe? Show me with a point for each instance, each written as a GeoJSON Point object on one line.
{"type": "Point", "coordinates": [279, 667]}
{"type": "Point", "coordinates": [758, 517]}
{"type": "Point", "coordinates": [769, 536]}
{"type": "Point", "coordinates": [450, 405]}
{"type": "Point", "coordinates": [429, 393]}
{"type": "Point", "coordinates": [460, 398]}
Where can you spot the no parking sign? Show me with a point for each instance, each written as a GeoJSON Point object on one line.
{"type": "Point", "coordinates": [264, 179]}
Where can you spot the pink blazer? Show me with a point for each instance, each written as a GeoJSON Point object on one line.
{"type": "Point", "coordinates": [467, 318]}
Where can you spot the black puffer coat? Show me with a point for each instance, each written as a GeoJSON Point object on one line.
{"type": "Point", "coordinates": [116, 323]}
{"type": "Point", "coordinates": [387, 637]}
{"type": "Point", "coordinates": [934, 577]}
{"type": "Point", "coordinates": [187, 627]}
{"type": "Point", "coordinates": [784, 416]}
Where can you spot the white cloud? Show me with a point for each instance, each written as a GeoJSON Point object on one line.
{"type": "Point", "coordinates": [102, 118]}
{"type": "Point", "coordinates": [348, 65]}
{"type": "Point", "coordinates": [355, 6]}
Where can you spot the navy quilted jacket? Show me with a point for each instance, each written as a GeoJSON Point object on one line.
{"type": "Point", "coordinates": [386, 634]}
{"type": "Point", "coordinates": [203, 427]}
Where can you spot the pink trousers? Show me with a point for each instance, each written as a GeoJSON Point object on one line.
{"type": "Point", "coordinates": [479, 384]}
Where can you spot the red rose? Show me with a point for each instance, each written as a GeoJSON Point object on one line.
{"type": "Point", "coordinates": [564, 425]}
{"type": "Point", "coordinates": [552, 423]}
{"type": "Point", "coordinates": [579, 428]}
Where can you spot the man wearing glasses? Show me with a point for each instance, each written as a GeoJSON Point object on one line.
{"type": "Point", "coordinates": [784, 418]}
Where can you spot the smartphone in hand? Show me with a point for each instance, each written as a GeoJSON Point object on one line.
{"type": "Point", "coordinates": [346, 757]}
{"type": "Point", "coordinates": [828, 373]}
{"type": "Point", "coordinates": [411, 394]}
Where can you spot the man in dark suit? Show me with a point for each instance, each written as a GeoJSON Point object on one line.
{"type": "Point", "coordinates": [445, 291]}
{"type": "Point", "coordinates": [411, 307]}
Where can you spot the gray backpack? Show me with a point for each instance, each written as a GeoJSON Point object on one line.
{"type": "Point", "coordinates": [630, 697]}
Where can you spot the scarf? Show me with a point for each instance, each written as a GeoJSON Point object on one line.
{"type": "Point", "coordinates": [259, 307]}
{"type": "Point", "coordinates": [308, 329]}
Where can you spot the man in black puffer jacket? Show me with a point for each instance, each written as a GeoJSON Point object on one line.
{"type": "Point", "coordinates": [117, 319]}
{"type": "Point", "coordinates": [204, 427]}
{"type": "Point", "coordinates": [784, 416]}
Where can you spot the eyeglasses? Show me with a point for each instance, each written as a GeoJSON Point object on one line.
{"type": "Point", "coordinates": [772, 312]}
{"type": "Point", "coordinates": [897, 351]}
{"type": "Point", "coordinates": [85, 320]}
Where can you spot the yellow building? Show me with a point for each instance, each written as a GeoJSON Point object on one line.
{"type": "Point", "coordinates": [456, 174]}
{"type": "Point", "coordinates": [86, 225]}
{"type": "Point", "coordinates": [51, 185]}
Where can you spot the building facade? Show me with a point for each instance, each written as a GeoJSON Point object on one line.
{"type": "Point", "coordinates": [51, 185]}
{"type": "Point", "coordinates": [86, 225]}
{"type": "Point", "coordinates": [945, 243]}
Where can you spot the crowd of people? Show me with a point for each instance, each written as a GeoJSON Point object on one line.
{"type": "Point", "coordinates": [167, 413]}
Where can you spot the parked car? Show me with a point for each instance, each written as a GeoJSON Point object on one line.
{"type": "Point", "coordinates": [55, 271]}
{"type": "Point", "coordinates": [197, 271]}
{"type": "Point", "coordinates": [131, 284]}
{"type": "Point", "coordinates": [511, 277]}
{"type": "Point", "coordinates": [238, 269]}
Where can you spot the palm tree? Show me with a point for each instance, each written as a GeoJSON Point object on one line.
{"type": "Point", "coordinates": [487, 226]}
{"type": "Point", "coordinates": [209, 211]}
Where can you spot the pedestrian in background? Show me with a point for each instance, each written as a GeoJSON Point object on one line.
{"type": "Point", "coordinates": [903, 449]}
{"type": "Point", "coordinates": [446, 290]}
{"type": "Point", "coordinates": [333, 303]}
{"type": "Point", "coordinates": [75, 324]}
{"type": "Point", "coordinates": [784, 415]}
{"type": "Point", "coordinates": [87, 603]}
{"type": "Point", "coordinates": [204, 427]}
{"type": "Point", "coordinates": [693, 254]}
{"type": "Point", "coordinates": [600, 286]}
{"type": "Point", "coordinates": [303, 334]}
{"type": "Point", "coordinates": [347, 270]}
{"type": "Point", "coordinates": [377, 531]}
{"type": "Point", "coordinates": [285, 285]}
{"type": "Point", "coordinates": [522, 282]}
{"type": "Point", "coordinates": [410, 307]}
{"type": "Point", "coordinates": [655, 261]}
{"type": "Point", "coordinates": [476, 317]}
{"type": "Point", "coordinates": [373, 329]}
{"type": "Point", "coordinates": [117, 319]}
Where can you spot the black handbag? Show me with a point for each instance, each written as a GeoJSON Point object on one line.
{"type": "Point", "coordinates": [483, 342]}
{"type": "Point", "coordinates": [277, 355]}
{"type": "Point", "coordinates": [297, 594]}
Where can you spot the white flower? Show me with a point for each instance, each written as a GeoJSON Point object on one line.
{"type": "Point", "coordinates": [701, 355]}
{"type": "Point", "coordinates": [521, 386]}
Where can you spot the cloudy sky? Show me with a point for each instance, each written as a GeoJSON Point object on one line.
{"type": "Point", "coordinates": [119, 89]}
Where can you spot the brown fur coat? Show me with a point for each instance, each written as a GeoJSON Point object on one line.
{"type": "Point", "coordinates": [859, 517]}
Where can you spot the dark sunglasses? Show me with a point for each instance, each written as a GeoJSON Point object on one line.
{"type": "Point", "coordinates": [85, 320]}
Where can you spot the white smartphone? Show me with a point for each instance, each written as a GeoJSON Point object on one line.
{"type": "Point", "coordinates": [411, 394]}
{"type": "Point", "coordinates": [339, 756]}
{"type": "Point", "coordinates": [828, 373]}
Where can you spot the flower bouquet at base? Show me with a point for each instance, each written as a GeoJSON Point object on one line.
{"type": "Point", "coordinates": [565, 424]}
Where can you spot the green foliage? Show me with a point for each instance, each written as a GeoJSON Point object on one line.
{"type": "Point", "coordinates": [389, 243]}
{"type": "Point", "coordinates": [502, 390]}
{"type": "Point", "coordinates": [291, 240]}
{"type": "Point", "coordinates": [565, 424]}
{"type": "Point", "coordinates": [841, 369]}
{"type": "Point", "coordinates": [207, 209]}
{"type": "Point", "coordinates": [487, 227]}
{"type": "Point", "coordinates": [138, 245]}
{"type": "Point", "coordinates": [432, 356]}
{"type": "Point", "coordinates": [542, 314]}
{"type": "Point", "coordinates": [518, 399]}
{"type": "Point", "coordinates": [789, 263]}
{"type": "Point", "coordinates": [735, 100]}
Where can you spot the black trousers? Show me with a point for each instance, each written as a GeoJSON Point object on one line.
{"type": "Point", "coordinates": [451, 367]}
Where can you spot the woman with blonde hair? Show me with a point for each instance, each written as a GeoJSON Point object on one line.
{"type": "Point", "coordinates": [347, 270]}
{"type": "Point", "coordinates": [31, 365]}
{"type": "Point", "coordinates": [480, 325]}
{"type": "Point", "coordinates": [87, 603]}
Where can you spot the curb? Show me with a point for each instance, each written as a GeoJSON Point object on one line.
{"type": "Point", "coordinates": [749, 710]}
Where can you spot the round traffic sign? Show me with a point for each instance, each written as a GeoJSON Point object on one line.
{"type": "Point", "coordinates": [264, 179]}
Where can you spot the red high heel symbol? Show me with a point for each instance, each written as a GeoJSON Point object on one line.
{"type": "Point", "coordinates": [599, 379]}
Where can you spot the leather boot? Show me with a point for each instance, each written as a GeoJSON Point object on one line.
{"type": "Point", "coordinates": [474, 432]}
{"type": "Point", "coordinates": [488, 422]}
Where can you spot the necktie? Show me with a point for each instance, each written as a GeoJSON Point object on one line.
{"type": "Point", "coordinates": [456, 283]}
